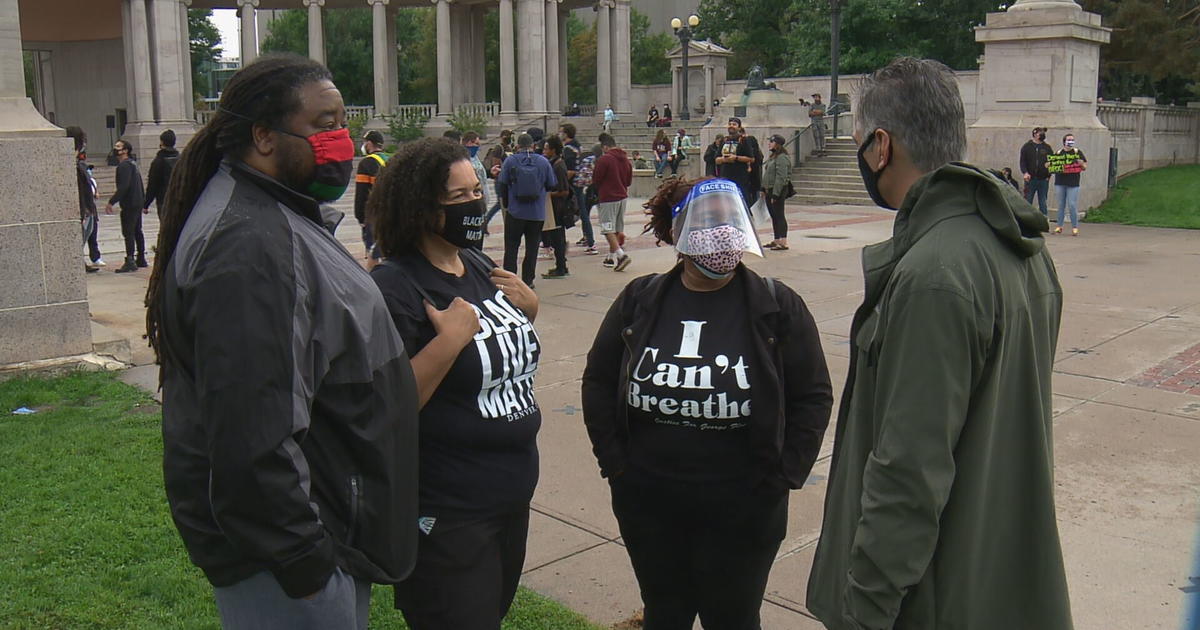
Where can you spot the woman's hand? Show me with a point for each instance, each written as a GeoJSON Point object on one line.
{"type": "Point", "coordinates": [516, 291]}
{"type": "Point", "coordinates": [457, 324]}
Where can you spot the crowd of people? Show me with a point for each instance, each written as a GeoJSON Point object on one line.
{"type": "Point", "coordinates": [327, 427]}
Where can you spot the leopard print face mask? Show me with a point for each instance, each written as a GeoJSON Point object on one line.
{"type": "Point", "coordinates": [717, 250]}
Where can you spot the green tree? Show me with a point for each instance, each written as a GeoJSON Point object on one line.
{"type": "Point", "coordinates": [1155, 48]}
{"type": "Point", "coordinates": [204, 41]}
{"type": "Point", "coordinates": [649, 50]}
{"type": "Point", "coordinates": [581, 60]}
{"type": "Point", "coordinates": [348, 51]}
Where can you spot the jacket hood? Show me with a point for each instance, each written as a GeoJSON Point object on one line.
{"type": "Point", "coordinates": [959, 188]}
{"type": "Point", "coordinates": [618, 154]}
{"type": "Point", "coordinates": [167, 152]}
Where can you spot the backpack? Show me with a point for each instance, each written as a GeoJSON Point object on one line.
{"type": "Point", "coordinates": [382, 158]}
{"type": "Point", "coordinates": [527, 182]}
{"type": "Point", "coordinates": [583, 175]}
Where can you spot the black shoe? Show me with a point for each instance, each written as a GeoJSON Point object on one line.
{"type": "Point", "coordinates": [128, 266]}
{"type": "Point", "coordinates": [141, 262]}
{"type": "Point", "coordinates": [90, 269]}
{"type": "Point", "coordinates": [556, 273]}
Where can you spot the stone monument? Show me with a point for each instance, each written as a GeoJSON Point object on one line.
{"type": "Point", "coordinates": [1041, 67]}
{"type": "Point", "coordinates": [43, 298]}
{"type": "Point", "coordinates": [764, 109]}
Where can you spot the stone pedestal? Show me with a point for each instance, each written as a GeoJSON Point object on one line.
{"type": "Point", "coordinates": [1041, 69]}
{"type": "Point", "coordinates": [768, 112]}
{"type": "Point", "coordinates": [43, 299]}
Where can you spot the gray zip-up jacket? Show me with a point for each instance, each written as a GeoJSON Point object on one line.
{"type": "Point", "coordinates": [289, 405]}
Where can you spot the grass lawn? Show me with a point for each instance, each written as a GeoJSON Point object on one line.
{"type": "Point", "coordinates": [1162, 197]}
{"type": "Point", "coordinates": [86, 539]}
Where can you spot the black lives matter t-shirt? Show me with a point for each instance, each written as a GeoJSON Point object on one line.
{"type": "Point", "coordinates": [478, 451]}
{"type": "Point", "coordinates": [690, 389]}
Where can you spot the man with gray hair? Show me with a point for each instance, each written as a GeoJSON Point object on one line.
{"type": "Point", "coordinates": [940, 507]}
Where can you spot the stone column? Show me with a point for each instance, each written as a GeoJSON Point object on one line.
{"type": "Point", "coordinates": [1041, 68]}
{"type": "Point", "coordinates": [508, 64]}
{"type": "Point", "coordinates": [185, 51]}
{"type": "Point", "coordinates": [460, 56]}
{"type": "Point", "coordinates": [380, 57]}
{"type": "Point", "coordinates": [170, 90]}
{"type": "Point", "coordinates": [478, 55]}
{"type": "Point", "coordinates": [622, 67]}
{"type": "Point", "coordinates": [393, 75]}
{"type": "Point", "coordinates": [708, 89]}
{"type": "Point", "coordinates": [249, 31]}
{"type": "Point", "coordinates": [564, 95]}
{"type": "Point", "coordinates": [445, 60]}
{"type": "Point", "coordinates": [316, 31]}
{"type": "Point", "coordinates": [43, 298]}
{"type": "Point", "coordinates": [604, 94]}
{"type": "Point", "coordinates": [553, 101]}
{"type": "Point", "coordinates": [139, 39]}
{"type": "Point", "coordinates": [531, 58]}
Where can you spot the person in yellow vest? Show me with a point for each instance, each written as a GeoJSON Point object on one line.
{"type": "Point", "coordinates": [364, 180]}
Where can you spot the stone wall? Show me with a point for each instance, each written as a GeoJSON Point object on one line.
{"type": "Point", "coordinates": [1150, 136]}
{"type": "Point", "coordinates": [43, 298]}
{"type": "Point", "coordinates": [89, 83]}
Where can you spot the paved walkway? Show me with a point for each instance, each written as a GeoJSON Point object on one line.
{"type": "Point", "coordinates": [1127, 405]}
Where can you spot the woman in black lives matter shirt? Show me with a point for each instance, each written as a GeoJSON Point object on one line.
{"type": "Point", "coordinates": [468, 328]}
{"type": "Point", "coordinates": [706, 397]}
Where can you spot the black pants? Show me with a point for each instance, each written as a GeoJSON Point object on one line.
{"type": "Point", "coordinates": [131, 229]}
{"type": "Point", "coordinates": [558, 241]}
{"type": "Point", "coordinates": [92, 242]}
{"type": "Point", "coordinates": [466, 574]}
{"type": "Point", "coordinates": [514, 231]}
{"type": "Point", "coordinates": [778, 216]}
{"type": "Point", "coordinates": [700, 550]}
{"type": "Point", "coordinates": [675, 160]}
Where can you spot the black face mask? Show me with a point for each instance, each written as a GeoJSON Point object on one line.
{"type": "Point", "coordinates": [464, 223]}
{"type": "Point", "coordinates": [871, 178]}
{"type": "Point", "coordinates": [1041, 137]}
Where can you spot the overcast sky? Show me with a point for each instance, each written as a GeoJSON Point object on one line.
{"type": "Point", "coordinates": [227, 22]}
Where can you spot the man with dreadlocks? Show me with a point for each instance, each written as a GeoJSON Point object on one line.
{"type": "Point", "coordinates": [289, 404]}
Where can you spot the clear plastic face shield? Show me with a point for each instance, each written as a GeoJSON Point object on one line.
{"type": "Point", "coordinates": [712, 226]}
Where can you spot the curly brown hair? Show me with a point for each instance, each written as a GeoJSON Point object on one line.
{"type": "Point", "coordinates": [405, 203]}
{"type": "Point", "coordinates": [661, 207]}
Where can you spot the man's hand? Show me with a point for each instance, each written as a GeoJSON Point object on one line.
{"type": "Point", "coordinates": [516, 291]}
{"type": "Point", "coordinates": [108, 208]}
{"type": "Point", "coordinates": [1027, 176]}
{"type": "Point", "coordinates": [458, 323]}
{"type": "Point", "coordinates": [495, 171]}
{"type": "Point", "coordinates": [146, 210]}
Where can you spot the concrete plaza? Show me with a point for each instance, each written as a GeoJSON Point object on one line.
{"type": "Point", "coordinates": [1127, 412]}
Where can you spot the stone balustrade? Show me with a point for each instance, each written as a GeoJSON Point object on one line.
{"type": "Point", "coordinates": [1149, 136]}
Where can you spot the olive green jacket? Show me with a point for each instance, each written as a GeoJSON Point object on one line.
{"type": "Point", "coordinates": [940, 508]}
{"type": "Point", "coordinates": [777, 172]}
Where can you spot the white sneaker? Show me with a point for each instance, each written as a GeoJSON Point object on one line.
{"type": "Point", "coordinates": [99, 262]}
{"type": "Point", "coordinates": [609, 262]}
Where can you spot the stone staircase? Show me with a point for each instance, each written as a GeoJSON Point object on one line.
{"type": "Point", "coordinates": [832, 179]}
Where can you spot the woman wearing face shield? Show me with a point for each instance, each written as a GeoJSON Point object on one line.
{"type": "Point", "coordinates": [706, 397]}
{"type": "Point", "coordinates": [468, 328]}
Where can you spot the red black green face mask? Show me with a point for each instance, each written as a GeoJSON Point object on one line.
{"type": "Point", "coordinates": [333, 154]}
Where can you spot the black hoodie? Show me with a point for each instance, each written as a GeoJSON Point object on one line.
{"type": "Point", "coordinates": [160, 175]}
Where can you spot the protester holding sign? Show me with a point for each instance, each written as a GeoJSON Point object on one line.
{"type": "Point", "coordinates": [1067, 164]}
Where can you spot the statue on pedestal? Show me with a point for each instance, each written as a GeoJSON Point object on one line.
{"type": "Point", "coordinates": [756, 80]}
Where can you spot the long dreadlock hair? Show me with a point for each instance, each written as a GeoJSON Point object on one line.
{"type": "Point", "coordinates": [263, 93]}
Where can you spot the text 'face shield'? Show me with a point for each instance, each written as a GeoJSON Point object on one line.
{"type": "Point", "coordinates": [713, 219]}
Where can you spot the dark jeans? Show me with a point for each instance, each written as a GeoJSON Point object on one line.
{"type": "Point", "coordinates": [131, 229]}
{"type": "Point", "coordinates": [514, 230]}
{"type": "Point", "coordinates": [700, 550]}
{"type": "Point", "coordinates": [368, 238]}
{"type": "Point", "coordinates": [675, 160]}
{"type": "Point", "coordinates": [778, 215]}
{"type": "Point", "coordinates": [466, 574]}
{"type": "Point", "coordinates": [558, 241]}
{"type": "Point", "coordinates": [92, 243]}
{"type": "Point", "coordinates": [1040, 188]}
{"type": "Point", "coordinates": [585, 221]}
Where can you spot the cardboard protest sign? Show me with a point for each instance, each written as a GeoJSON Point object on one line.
{"type": "Point", "coordinates": [1064, 163]}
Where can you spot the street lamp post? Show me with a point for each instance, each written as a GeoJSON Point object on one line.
{"type": "Point", "coordinates": [835, 45]}
{"type": "Point", "coordinates": [684, 33]}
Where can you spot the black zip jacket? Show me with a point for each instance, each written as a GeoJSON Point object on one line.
{"type": "Point", "coordinates": [788, 418]}
{"type": "Point", "coordinates": [1033, 159]}
{"type": "Point", "coordinates": [87, 203]}
{"type": "Point", "coordinates": [130, 192]}
{"type": "Point", "coordinates": [289, 405]}
{"type": "Point", "coordinates": [159, 176]}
